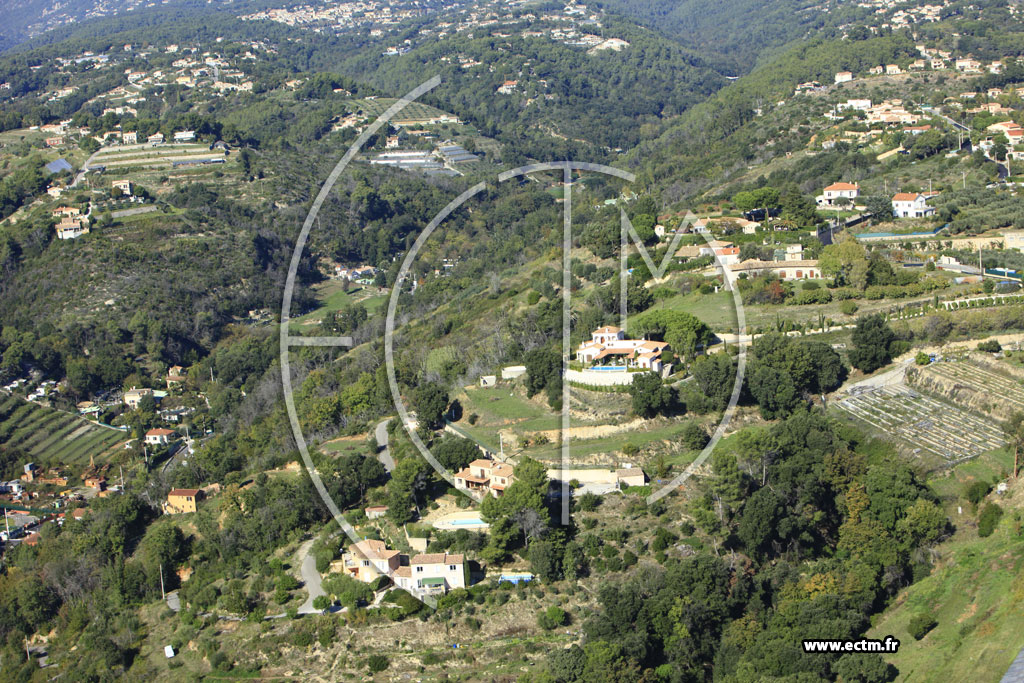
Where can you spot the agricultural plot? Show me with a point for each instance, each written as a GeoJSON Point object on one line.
{"type": "Point", "coordinates": [924, 423]}
{"type": "Point", "coordinates": [52, 437]}
{"type": "Point", "coordinates": [986, 390]}
{"type": "Point", "coordinates": [146, 155]}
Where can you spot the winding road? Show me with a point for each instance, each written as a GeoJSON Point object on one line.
{"type": "Point", "coordinates": [384, 454]}
{"type": "Point", "coordinates": [311, 579]}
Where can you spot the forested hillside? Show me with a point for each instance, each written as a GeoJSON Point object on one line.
{"type": "Point", "coordinates": [738, 35]}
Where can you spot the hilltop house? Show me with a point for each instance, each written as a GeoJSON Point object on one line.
{"type": "Point", "coordinates": [911, 205]}
{"type": "Point", "coordinates": [369, 559]}
{"type": "Point", "coordinates": [836, 191]}
{"type": "Point", "coordinates": [487, 476]}
{"type": "Point", "coordinates": [432, 574]}
{"type": "Point", "coordinates": [129, 137]}
{"type": "Point", "coordinates": [610, 343]}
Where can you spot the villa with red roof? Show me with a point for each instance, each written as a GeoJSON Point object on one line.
{"type": "Point", "coordinates": [911, 205]}
{"type": "Point", "coordinates": [485, 476]}
{"type": "Point", "coordinates": [609, 345]}
{"type": "Point", "coordinates": [836, 191]}
{"type": "Point", "coordinates": [432, 574]}
{"type": "Point", "coordinates": [369, 559]}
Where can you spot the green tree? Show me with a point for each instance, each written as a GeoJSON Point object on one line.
{"type": "Point", "coordinates": [871, 340]}
{"type": "Point", "coordinates": [430, 400]}
{"type": "Point", "coordinates": [650, 396]}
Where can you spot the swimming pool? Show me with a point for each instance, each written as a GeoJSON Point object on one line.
{"type": "Point", "coordinates": [608, 368]}
{"type": "Point", "coordinates": [516, 578]}
{"type": "Point", "coordinates": [476, 521]}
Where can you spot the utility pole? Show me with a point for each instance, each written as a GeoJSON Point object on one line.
{"type": "Point", "coordinates": [163, 596]}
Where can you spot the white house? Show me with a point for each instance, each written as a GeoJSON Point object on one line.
{"type": "Point", "coordinates": [836, 191]}
{"type": "Point", "coordinates": [129, 137]}
{"type": "Point", "coordinates": [911, 205]}
{"type": "Point", "coordinates": [159, 437]}
{"type": "Point", "coordinates": [843, 76]}
{"type": "Point", "coordinates": [155, 139]}
{"type": "Point", "coordinates": [185, 136]}
{"type": "Point", "coordinates": [432, 574]}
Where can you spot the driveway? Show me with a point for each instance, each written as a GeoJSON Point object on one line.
{"type": "Point", "coordinates": [310, 577]}
{"type": "Point", "coordinates": [381, 434]}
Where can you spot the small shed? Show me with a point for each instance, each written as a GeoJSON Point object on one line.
{"type": "Point", "coordinates": [488, 380]}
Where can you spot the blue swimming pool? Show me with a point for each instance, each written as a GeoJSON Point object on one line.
{"type": "Point", "coordinates": [516, 578]}
{"type": "Point", "coordinates": [608, 368]}
{"type": "Point", "coordinates": [467, 522]}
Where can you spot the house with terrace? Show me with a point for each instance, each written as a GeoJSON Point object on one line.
{"type": "Point", "coordinates": [485, 476]}
{"type": "Point", "coordinates": [609, 348]}
{"type": "Point", "coordinates": [432, 574]}
{"type": "Point", "coordinates": [369, 559]}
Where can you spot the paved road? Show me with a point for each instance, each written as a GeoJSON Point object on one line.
{"type": "Point", "coordinates": [124, 213]}
{"type": "Point", "coordinates": [310, 577]}
{"type": "Point", "coordinates": [381, 434]}
{"type": "Point", "coordinates": [85, 169]}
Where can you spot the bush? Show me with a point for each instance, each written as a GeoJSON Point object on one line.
{"type": "Point", "coordinates": [588, 502]}
{"type": "Point", "coordinates": [848, 307]}
{"type": "Point", "coordinates": [302, 638]}
{"type": "Point", "coordinates": [694, 436]}
{"type": "Point", "coordinates": [920, 625]}
{"type": "Point", "coordinates": [321, 602]}
{"type": "Point", "coordinates": [552, 618]}
{"type": "Point", "coordinates": [377, 663]}
{"type": "Point", "coordinates": [922, 358]}
{"type": "Point", "coordinates": [988, 519]}
{"type": "Point", "coordinates": [976, 492]}
{"type": "Point", "coordinates": [813, 296]}
{"type": "Point", "coordinates": [990, 346]}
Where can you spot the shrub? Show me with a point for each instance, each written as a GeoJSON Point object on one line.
{"type": "Point", "coordinates": [377, 663]}
{"type": "Point", "coordinates": [976, 492]}
{"type": "Point", "coordinates": [848, 307]}
{"type": "Point", "coordinates": [552, 618]}
{"type": "Point", "coordinates": [920, 625]}
{"type": "Point", "coordinates": [694, 436]}
{"type": "Point", "coordinates": [990, 346]}
{"type": "Point", "coordinates": [533, 297]}
{"type": "Point", "coordinates": [588, 502]}
{"type": "Point", "coordinates": [922, 358]}
{"type": "Point", "coordinates": [321, 602]}
{"type": "Point", "coordinates": [988, 519]}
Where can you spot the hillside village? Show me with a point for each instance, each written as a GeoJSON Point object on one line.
{"type": "Point", "coordinates": [546, 468]}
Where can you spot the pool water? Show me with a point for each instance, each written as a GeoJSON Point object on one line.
{"type": "Point", "coordinates": [467, 522]}
{"type": "Point", "coordinates": [607, 368]}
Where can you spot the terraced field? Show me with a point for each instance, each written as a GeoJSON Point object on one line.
{"type": "Point", "coordinates": [52, 436]}
{"type": "Point", "coordinates": [924, 423]}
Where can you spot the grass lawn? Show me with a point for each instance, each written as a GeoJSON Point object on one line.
{"type": "Point", "coordinates": [976, 594]}
{"type": "Point", "coordinates": [333, 298]}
